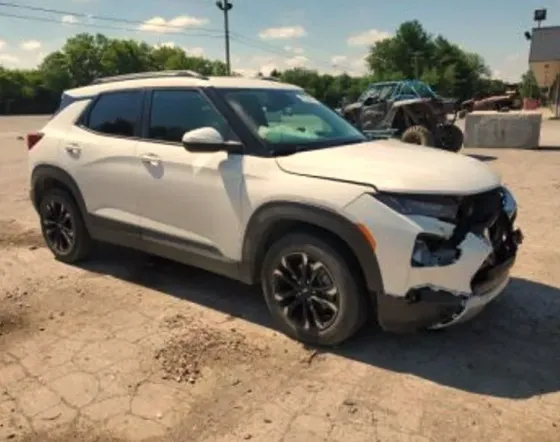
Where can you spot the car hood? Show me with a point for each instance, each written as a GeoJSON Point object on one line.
{"type": "Point", "coordinates": [393, 166]}
{"type": "Point", "coordinates": [352, 106]}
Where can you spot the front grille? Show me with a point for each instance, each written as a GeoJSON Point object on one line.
{"type": "Point", "coordinates": [498, 228]}
{"type": "Point", "coordinates": [476, 214]}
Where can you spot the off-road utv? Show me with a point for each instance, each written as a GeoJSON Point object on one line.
{"type": "Point", "coordinates": [409, 110]}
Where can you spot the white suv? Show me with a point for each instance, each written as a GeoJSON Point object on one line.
{"type": "Point", "coordinates": [258, 181]}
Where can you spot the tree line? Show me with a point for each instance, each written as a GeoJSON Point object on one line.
{"type": "Point", "coordinates": [411, 53]}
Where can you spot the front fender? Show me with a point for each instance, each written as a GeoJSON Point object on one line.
{"type": "Point", "coordinates": [266, 219]}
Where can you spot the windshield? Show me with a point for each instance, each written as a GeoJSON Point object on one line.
{"type": "Point", "coordinates": [380, 91]}
{"type": "Point", "coordinates": [291, 119]}
{"type": "Point", "coordinates": [423, 89]}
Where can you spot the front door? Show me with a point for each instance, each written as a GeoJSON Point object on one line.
{"type": "Point", "coordinates": [188, 201]}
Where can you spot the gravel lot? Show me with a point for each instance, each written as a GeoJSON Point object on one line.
{"type": "Point", "coordinates": [133, 348]}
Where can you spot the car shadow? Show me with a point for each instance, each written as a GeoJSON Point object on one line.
{"type": "Point", "coordinates": [549, 148]}
{"type": "Point", "coordinates": [511, 350]}
{"type": "Point", "coordinates": [482, 157]}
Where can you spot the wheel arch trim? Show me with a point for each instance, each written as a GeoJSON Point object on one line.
{"type": "Point", "coordinates": [266, 217]}
{"type": "Point", "coordinates": [44, 172]}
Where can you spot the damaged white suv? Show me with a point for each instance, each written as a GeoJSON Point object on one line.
{"type": "Point", "coordinates": [258, 181]}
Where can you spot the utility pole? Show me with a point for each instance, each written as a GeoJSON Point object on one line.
{"type": "Point", "coordinates": [225, 6]}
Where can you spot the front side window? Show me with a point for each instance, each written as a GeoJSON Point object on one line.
{"type": "Point", "coordinates": [286, 118]}
{"type": "Point", "coordinates": [116, 113]}
{"type": "Point", "coordinates": [175, 112]}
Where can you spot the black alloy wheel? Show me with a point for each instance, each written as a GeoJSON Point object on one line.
{"type": "Point", "coordinates": [305, 291]}
{"type": "Point", "coordinates": [58, 226]}
{"type": "Point", "coordinates": [313, 289]}
{"type": "Point", "coordinates": [63, 227]}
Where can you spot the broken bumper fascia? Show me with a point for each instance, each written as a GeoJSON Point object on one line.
{"type": "Point", "coordinates": [435, 296]}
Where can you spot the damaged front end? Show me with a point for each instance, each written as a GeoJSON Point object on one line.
{"type": "Point", "coordinates": [459, 262]}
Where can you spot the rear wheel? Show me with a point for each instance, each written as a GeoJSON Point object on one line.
{"type": "Point", "coordinates": [310, 290]}
{"type": "Point", "coordinates": [63, 227]}
{"type": "Point", "coordinates": [418, 135]}
{"type": "Point", "coordinates": [451, 138]}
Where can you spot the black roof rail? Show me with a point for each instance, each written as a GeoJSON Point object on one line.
{"type": "Point", "coordinates": [146, 75]}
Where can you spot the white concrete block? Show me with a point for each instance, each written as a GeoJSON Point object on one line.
{"type": "Point", "coordinates": [503, 129]}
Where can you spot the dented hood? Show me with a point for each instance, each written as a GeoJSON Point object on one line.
{"type": "Point", "coordinates": [393, 166]}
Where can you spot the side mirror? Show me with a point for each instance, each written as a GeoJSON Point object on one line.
{"type": "Point", "coordinates": [208, 139]}
{"type": "Point", "coordinates": [369, 101]}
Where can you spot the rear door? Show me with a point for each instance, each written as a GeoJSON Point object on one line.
{"type": "Point", "coordinates": [100, 154]}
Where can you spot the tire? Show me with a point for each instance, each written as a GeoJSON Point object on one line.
{"type": "Point", "coordinates": [418, 135]}
{"type": "Point", "coordinates": [451, 138]}
{"type": "Point", "coordinates": [348, 294]}
{"type": "Point", "coordinates": [63, 227]}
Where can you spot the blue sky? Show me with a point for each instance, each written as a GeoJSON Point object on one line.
{"type": "Point", "coordinates": [329, 35]}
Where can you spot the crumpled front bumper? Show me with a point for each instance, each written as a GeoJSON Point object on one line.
{"type": "Point", "coordinates": [435, 296]}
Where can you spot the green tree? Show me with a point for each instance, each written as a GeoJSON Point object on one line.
{"type": "Point", "coordinates": [529, 87]}
{"type": "Point", "coordinates": [84, 57]}
{"type": "Point", "coordinates": [437, 61]}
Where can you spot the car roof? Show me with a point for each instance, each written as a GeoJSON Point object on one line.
{"type": "Point", "coordinates": [115, 83]}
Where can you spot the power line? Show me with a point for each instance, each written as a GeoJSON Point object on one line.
{"type": "Point", "coordinates": [98, 17]}
{"type": "Point", "coordinates": [95, 26]}
{"type": "Point", "coordinates": [165, 28]}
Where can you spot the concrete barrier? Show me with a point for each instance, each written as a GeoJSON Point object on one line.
{"type": "Point", "coordinates": [503, 129]}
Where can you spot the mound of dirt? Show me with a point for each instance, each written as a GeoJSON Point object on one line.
{"type": "Point", "coordinates": [13, 234]}
{"type": "Point", "coordinates": [197, 347]}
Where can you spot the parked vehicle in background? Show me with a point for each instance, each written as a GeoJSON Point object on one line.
{"type": "Point", "coordinates": [408, 110]}
{"type": "Point", "coordinates": [258, 181]}
{"type": "Point", "coordinates": [510, 100]}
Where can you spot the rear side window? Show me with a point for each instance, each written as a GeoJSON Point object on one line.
{"type": "Point", "coordinates": [117, 113]}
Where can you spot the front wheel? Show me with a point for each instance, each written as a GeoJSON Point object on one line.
{"type": "Point", "coordinates": [451, 138]}
{"type": "Point", "coordinates": [311, 291]}
{"type": "Point", "coordinates": [418, 135]}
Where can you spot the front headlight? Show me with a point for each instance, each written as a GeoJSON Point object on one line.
{"type": "Point", "coordinates": [509, 204]}
{"type": "Point", "coordinates": [441, 207]}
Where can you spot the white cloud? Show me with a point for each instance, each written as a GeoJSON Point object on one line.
{"type": "Point", "coordinates": [69, 19]}
{"type": "Point", "coordinates": [30, 45]}
{"type": "Point", "coordinates": [167, 44]}
{"type": "Point", "coordinates": [283, 33]}
{"type": "Point", "coordinates": [297, 61]}
{"type": "Point", "coordinates": [358, 66]}
{"type": "Point", "coordinates": [3, 44]}
{"type": "Point", "coordinates": [513, 57]}
{"type": "Point", "coordinates": [8, 59]}
{"type": "Point", "coordinates": [159, 24]}
{"type": "Point", "coordinates": [367, 38]}
{"type": "Point", "coordinates": [339, 59]}
{"type": "Point", "coordinates": [496, 73]}
{"type": "Point", "coordinates": [195, 52]}
{"type": "Point", "coordinates": [295, 50]}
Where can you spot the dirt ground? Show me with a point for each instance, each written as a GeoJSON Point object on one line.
{"type": "Point", "coordinates": [133, 348]}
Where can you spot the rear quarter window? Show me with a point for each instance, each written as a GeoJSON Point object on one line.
{"type": "Point", "coordinates": [65, 101]}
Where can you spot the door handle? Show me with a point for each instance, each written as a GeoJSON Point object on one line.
{"type": "Point", "coordinates": [151, 159]}
{"type": "Point", "coordinates": [73, 148]}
